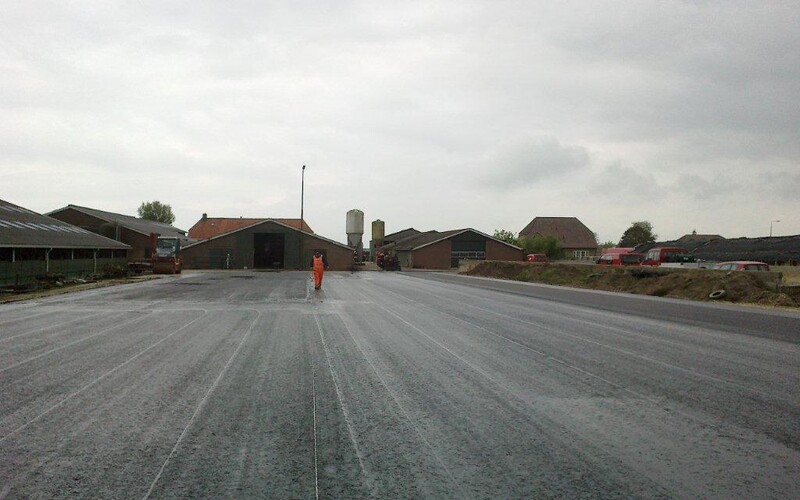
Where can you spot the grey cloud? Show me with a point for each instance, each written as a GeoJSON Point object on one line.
{"type": "Point", "coordinates": [701, 188]}
{"type": "Point", "coordinates": [626, 186]}
{"type": "Point", "coordinates": [530, 161]}
{"type": "Point", "coordinates": [691, 97]}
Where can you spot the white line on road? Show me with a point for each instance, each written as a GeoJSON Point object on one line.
{"type": "Point", "coordinates": [626, 352]}
{"type": "Point", "coordinates": [519, 344]}
{"type": "Point", "coordinates": [345, 413]}
{"type": "Point", "coordinates": [201, 405]}
{"type": "Point", "coordinates": [314, 413]}
{"type": "Point", "coordinates": [16, 320]}
{"type": "Point", "coordinates": [405, 413]}
{"type": "Point", "coordinates": [57, 325]}
{"type": "Point", "coordinates": [83, 339]}
{"type": "Point", "coordinates": [98, 379]}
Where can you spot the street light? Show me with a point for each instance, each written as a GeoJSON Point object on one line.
{"type": "Point", "coordinates": [770, 227]}
{"type": "Point", "coordinates": [302, 193]}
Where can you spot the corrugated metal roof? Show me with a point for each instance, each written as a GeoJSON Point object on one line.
{"type": "Point", "coordinates": [23, 228]}
{"type": "Point", "coordinates": [215, 226]}
{"type": "Point", "coordinates": [142, 226]}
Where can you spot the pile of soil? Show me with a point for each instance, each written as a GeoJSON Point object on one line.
{"type": "Point", "coordinates": [694, 284]}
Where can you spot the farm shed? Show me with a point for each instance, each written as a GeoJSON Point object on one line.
{"type": "Point", "coordinates": [33, 245]}
{"type": "Point", "coordinates": [132, 231]}
{"type": "Point", "coordinates": [264, 244]}
{"type": "Point", "coordinates": [444, 250]}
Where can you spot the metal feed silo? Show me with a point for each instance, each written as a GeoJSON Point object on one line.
{"type": "Point", "coordinates": [378, 232]}
{"type": "Point", "coordinates": [355, 228]}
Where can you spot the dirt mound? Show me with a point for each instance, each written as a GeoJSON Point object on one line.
{"type": "Point", "coordinates": [694, 284]}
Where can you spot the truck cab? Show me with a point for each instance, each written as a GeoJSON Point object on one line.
{"type": "Point", "coordinates": [660, 255]}
{"type": "Point", "coordinates": [166, 257]}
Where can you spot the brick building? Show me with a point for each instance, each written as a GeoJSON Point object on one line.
{"type": "Point", "coordinates": [132, 231]}
{"type": "Point", "coordinates": [444, 250]}
{"type": "Point", "coordinates": [577, 241]}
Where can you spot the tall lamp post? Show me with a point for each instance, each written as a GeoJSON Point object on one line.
{"type": "Point", "coordinates": [770, 227]}
{"type": "Point", "coordinates": [302, 193]}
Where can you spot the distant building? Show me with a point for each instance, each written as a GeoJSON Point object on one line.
{"type": "Point", "coordinates": [400, 235]}
{"type": "Point", "coordinates": [33, 245]}
{"type": "Point", "coordinates": [130, 230]}
{"type": "Point", "coordinates": [264, 243]}
{"type": "Point", "coordinates": [577, 241]}
{"type": "Point", "coordinates": [208, 227]}
{"type": "Point", "coordinates": [444, 250]}
{"type": "Point", "coordinates": [694, 237]}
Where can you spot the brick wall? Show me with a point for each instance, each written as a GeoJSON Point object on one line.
{"type": "Point", "coordinates": [498, 251]}
{"type": "Point", "coordinates": [436, 256]}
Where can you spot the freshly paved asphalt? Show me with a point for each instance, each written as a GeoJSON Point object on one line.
{"type": "Point", "coordinates": [249, 384]}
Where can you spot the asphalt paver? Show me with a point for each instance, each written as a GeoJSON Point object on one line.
{"type": "Point", "coordinates": [243, 384]}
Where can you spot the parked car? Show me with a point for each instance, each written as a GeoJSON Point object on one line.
{"type": "Point", "coordinates": [536, 257]}
{"type": "Point", "coordinates": [742, 265]}
{"type": "Point", "coordinates": [620, 259]}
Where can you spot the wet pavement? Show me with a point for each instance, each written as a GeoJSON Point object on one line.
{"type": "Point", "coordinates": [250, 384]}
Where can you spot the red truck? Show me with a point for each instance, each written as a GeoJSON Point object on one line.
{"type": "Point", "coordinates": [662, 255]}
{"type": "Point", "coordinates": [620, 259]}
{"type": "Point", "coordinates": [166, 254]}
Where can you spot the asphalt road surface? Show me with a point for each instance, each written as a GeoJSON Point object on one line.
{"type": "Point", "coordinates": [250, 384]}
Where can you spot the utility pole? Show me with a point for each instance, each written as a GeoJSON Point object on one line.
{"type": "Point", "coordinates": [302, 193]}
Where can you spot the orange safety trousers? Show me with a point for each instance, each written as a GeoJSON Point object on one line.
{"type": "Point", "coordinates": [318, 268]}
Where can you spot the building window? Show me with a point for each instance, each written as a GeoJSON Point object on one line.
{"type": "Point", "coordinates": [580, 254]}
{"type": "Point", "coordinates": [468, 255]}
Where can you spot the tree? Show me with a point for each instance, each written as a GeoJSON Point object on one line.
{"type": "Point", "coordinates": [607, 244]}
{"type": "Point", "coordinates": [638, 234]}
{"type": "Point", "coordinates": [156, 211]}
{"type": "Point", "coordinates": [505, 235]}
{"type": "Point", "coordinates": [547, 245]}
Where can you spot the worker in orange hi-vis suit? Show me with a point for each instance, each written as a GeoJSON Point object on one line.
{"type": "Point", "coordinates": [318, 265]}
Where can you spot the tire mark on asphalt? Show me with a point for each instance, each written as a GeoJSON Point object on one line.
{"type": "Point", "coordinates": [405, 413]}
{"type": "Point", "coordinates": [202, 403]}
{"type": "Point", "coordinates": [98, 379]}
{"type": "Point", "coordinates": [626, 352]}
{"type": "Point", "coordinates": [367, 479]}
{"type": "Point", "coordinates": [314, 415]}
{"type": "Point", "coordinates": [16, 320]}
{"type": "Point", "coordinates": [690, 331]}
{"type": "Point", "coordinates": [693, 418]}
{"type": "Point", "coordinates": [101, 332]}
{"type": "Point", "coordinates": [82, 318]}
{"type": "Point", "coordinates": [528, 348]}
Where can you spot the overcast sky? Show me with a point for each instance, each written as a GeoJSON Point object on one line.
{"type": "Point", "coordinates": [433, 115]}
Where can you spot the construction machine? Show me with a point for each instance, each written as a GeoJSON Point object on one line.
{"type": "Point", "coordinates": [166, 254]}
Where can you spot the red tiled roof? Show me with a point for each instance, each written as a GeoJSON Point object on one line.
{"type": "Point", "coordinates": [215, 226]}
